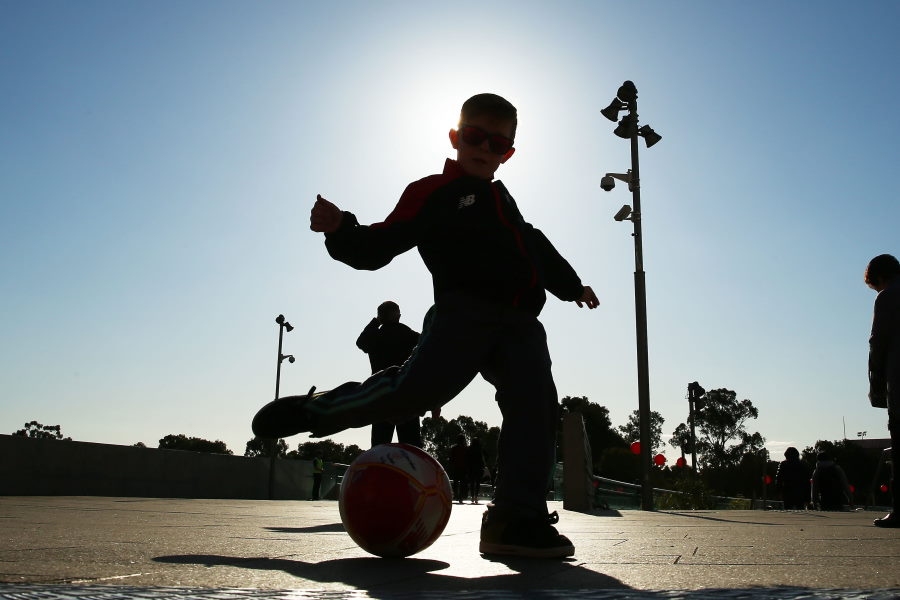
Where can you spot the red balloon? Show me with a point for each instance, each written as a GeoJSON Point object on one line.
{"type": "Point", "coordinates": [883, 488]}
{"type": "Point", "coordinates": [767, 479]}
{"type": "Point", "coordinates": [635, 447]}
{"type": "Point", "coordinates": [659, 460]}
{"type": "Point", "coordinates": [680, 462]}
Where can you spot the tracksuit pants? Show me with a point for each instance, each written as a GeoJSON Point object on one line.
{"type": "Point", "coordinates": [462, 337]}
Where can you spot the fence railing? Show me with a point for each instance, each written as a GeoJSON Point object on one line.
{"type": "Point", "coordinates": [609, 493]}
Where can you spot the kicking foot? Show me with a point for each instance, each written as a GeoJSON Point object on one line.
{"type": "Point", "coordinates": [891, 520]}
{"type": "Point", "coordinates": [283, 417]}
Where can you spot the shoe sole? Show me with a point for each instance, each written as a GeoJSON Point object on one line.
{"type": "Point", "coordinates": [280, 418]}
{"type": "Point", "coordinates": [526, 551]}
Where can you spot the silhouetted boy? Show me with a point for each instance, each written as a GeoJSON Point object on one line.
{"type": "Point", "coordinates": [490, 269]}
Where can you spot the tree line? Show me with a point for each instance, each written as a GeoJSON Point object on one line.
{"type": "Point", "coordinates": [731, 460]}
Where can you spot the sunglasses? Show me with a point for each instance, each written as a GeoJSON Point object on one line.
{"type": "Point", "coordinates": [474, 136]}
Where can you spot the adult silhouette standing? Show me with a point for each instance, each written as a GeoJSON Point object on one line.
{"type": "Point", "coordinates": [792, 480]}
{"type": "Point", "coordinates": [459, 472]}
{"type": "Point", "coordinates": [388, 342]}
{"type": "Point", "coordinates": [474, 467]}
{"type": "Point", "coordinates": [883, 276]}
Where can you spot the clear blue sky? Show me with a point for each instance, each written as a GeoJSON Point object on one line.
{"type": "Point", "coordinates": [158, 162]}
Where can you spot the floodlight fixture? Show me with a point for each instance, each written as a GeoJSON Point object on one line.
{"type": "Point", "coordinates": [650, 136]}
{"type": "Point", "coordinates": [611, 112]}
{"type": "Point", "coordinates": [627, 128]}
{"type": "Point", "coordinates": [280, 320]}
{"type": "Point", "coordinates": [627, 92]}
{"type": "Point", "coordinates": [624, 214]}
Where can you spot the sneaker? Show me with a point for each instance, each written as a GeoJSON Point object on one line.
{"type": "Point", "coordinates": [283, 417]}
{"type": "Point", "coordinates": [523, 536]}
{"type": "Point", "coordinates": [891, 520]}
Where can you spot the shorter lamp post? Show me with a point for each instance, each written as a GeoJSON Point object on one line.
{"type": "Point", "coordinates": [273, 443]}
{"type": "Point", "coordinates": [282, 325]}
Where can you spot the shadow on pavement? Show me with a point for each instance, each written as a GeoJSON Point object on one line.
{"type": "Point", "coordinates": [329, 528]}
{"type": "Point", "coordinates": [390, 575]}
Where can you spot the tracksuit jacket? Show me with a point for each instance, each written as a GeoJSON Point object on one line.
{"type": "Point", "coordinates": [471, 237]}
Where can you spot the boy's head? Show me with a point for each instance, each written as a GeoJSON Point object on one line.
{"type": "Point", "coordinates": [881, 270]}
{"type": "Point", "coordinates": [485, 135]}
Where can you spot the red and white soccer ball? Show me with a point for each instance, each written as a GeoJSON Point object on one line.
{"type": "Point", "coordinates": [395, 500]}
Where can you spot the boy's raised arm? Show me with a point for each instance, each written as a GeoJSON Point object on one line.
{"type": "Point", "coordinates": [360, 246]}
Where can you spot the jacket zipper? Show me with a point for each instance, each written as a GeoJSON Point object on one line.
{"type": "Point", "coordinates": [521, 245]}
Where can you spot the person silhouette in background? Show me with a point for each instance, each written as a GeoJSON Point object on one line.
{"type": "Point", "coordinates": [474, 467]}
{"type": "Point", "coordinates": [388, 342]}
{"type": "Point", "coordinates": [458, 468]}
{"type": "Point", "coordinates": [883, 276]}
{"type": "Point", "coordinates": [792, 480]}
{"type": "Point", "coordinates": [318, 465]}
{"type": "Point", "coordinates": [830, 490]}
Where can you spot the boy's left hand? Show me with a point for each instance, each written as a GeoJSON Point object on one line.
{"type": "Point", "coordinates": [588, 297]}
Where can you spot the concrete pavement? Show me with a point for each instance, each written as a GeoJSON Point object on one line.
{"type": "Point", "coordinates": [99, 547]}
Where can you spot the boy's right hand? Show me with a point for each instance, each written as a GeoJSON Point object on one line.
{"type": "Point", "coordinates": [325, 217]}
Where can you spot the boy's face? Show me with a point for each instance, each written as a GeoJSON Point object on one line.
{"type": "Point", "coordinates": [479, 160]}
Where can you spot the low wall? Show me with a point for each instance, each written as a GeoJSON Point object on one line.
{"type": "Point", "coordinates": [35, 467]}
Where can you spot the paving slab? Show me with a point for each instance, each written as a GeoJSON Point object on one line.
{"type": "Point", "coordinates": [104, 548]}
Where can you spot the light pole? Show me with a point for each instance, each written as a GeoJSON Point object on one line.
{"type": "Point", "coordinates": [282, 325]}
{"type": "Point", "coordinates": [626, 99]}
{"type": "Point", "coordinates": [273, 443]}
{"type": "Point", "coordinates": [695, 391]}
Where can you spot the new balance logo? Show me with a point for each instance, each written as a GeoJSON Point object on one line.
{"type": "Point", "coordinates": [466, 201]}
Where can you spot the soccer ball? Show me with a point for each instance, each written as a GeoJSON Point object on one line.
{"type": "Point", "coordinates": [395, 500]}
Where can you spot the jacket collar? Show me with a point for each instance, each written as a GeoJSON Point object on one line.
{"type": "Point", "coordinates": [452, 169]}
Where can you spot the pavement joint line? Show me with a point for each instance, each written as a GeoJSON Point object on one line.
{"type": "Point", "coordinates": [107, 592]}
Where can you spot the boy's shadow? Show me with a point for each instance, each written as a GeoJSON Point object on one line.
{"type": "Point", "coordinates": [410, 574]}
{"type": "Point", "coordinates": [327, 528]}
